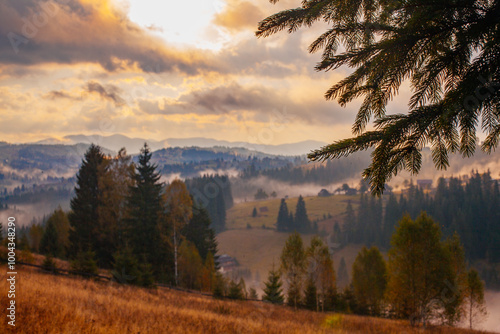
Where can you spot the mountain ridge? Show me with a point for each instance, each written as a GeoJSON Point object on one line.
{"type": "Point", "coordinates": [117, 141]}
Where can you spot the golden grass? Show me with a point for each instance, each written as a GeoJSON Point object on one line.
{"type": "Point", "coordinates": [241, 213]}
{"type": "Point", "coordinates": [56, 304]}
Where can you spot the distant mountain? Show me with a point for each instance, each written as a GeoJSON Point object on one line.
{"type": "Point", "coordinates": [299, 148]}
{"type": "Point", "coordinates": [133, 145]}
{"type": "Point", "coordinates": [113, 142]}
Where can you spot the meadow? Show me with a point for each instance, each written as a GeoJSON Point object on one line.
{"type": "Point", "coordinates": [59, 304]}
{"type": "Point", "coordinates": [240, 215]}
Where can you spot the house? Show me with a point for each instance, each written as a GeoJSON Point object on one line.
{"type": "Point", "coordinates": [226, 263]}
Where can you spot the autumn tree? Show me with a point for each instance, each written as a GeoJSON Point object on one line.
{"type": "Point", "coordinates": [474, 297]}
{"type": "Point", "coordinates": [369, 279]}
{"type": "Point", "coordinates": [190, 266]}
{"type": "Point", "coordinates": [421, 277]}
{"type": "Point", "coordinates": [178, 206]}
{"type": "Point", "coordinates": [320, 270]}
{"type": "Point", "coordinates": [273, 291]}
{"type": "Point", "coordinates": [293, 267]}
{"type": "Point", "coordinates": [343, 275]}
{"type": "Point", "coordinates": [115, 180]}
{"type": "Point", "coordinates": [208, 273]}
{"type": "Point", "coordinates": [447, 52]}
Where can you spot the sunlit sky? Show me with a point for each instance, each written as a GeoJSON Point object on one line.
{"type": "Point", "coordinates": [161, 69]}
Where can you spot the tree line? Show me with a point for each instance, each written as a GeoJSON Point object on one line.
{"type": "Point", "coordinates": [470, 207]}
{"type": "Point", "coordinates": [424, 280]}
{"type": "Point", "coordinates": [125, 219]}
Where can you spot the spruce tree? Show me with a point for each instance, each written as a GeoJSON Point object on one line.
{"type": "Point", "coordinates": [282, 224]}
{"type": "Point", "coordinates": [301, 222]}
{"type": "Point", "coordinates": [144, 206]}
{"type": "Point", "coordinates": [273, 291]}
{"type": "Point", "coordinates": [311, 295]}
{"type": "Point", "coordinates": [84, 215]}
{"type": "Point", "coordinates": [199, 232]}
{"type": "Point", "coordinates": [50, 244]}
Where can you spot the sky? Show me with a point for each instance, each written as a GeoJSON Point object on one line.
{"type": "Point", "coordinates": [162, 69]}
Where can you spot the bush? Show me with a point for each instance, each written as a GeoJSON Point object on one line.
{"type": "Point", "coordinates": [49, 264]}
{"type": "Point", "coordinates": [85, 264]}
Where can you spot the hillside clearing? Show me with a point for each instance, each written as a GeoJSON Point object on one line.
{"type": "Point", "coordinates": [57, 304]}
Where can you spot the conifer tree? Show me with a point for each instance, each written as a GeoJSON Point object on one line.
{"type": "Point", "coordinates": [301, 221]}
{"type": "Point", "coordinates": [311, 295]}
{"type": "Point", "coordinates": [49, 244]}
{"type": "Point", "coordinates": [273, 291]}
{"type": "Point", "coordinates": [199, 232]}
{"type": "Point", "coordinates": [283, 222]}
{"type": "Point", "coordinates": [252, 294]}
{"type": "Point", "coordinates": [84, 215]}
{"type": "Point", "coordinates": [235, 291]}
{"type": "Point", "coordinates": [144, 204]}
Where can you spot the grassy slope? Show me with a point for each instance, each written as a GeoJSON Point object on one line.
{"type": "Point", "coordinates": [241, 213]}
{"type": "Point", "coordinates": [257, 248]}
{"type": "Point", "coordinates": [55, 304]}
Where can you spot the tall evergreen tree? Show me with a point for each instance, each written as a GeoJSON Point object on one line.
{"type": "Point", "coordinates": [50, 244]}
{"type": "Point", "coordinates": [199, 232]}
{"type": "Point", "coordinates": [84, 215]}
{"type": "Point", "coordinates": [301, 220]}
{"type": "Point", "coordinates": [283, 222]}
{"type": "Point", "coordinates": [144, 204]}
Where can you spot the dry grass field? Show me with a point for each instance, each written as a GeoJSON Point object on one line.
{"type": "Point", "coordinates": [62, 305]}
{"type": "Point", "coordinates": [241, 213]}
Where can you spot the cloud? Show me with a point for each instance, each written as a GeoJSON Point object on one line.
{"type": "Point", "coordinates": [239, 15]}
{"type": "Point", "coordinates": [257, 103]}
{"type": "Point", "coordinates": [77, 31]}
{"type": "Point", "coordinates": [110, 92]}
{"type": "Point", "coordinates": [60, 94]}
